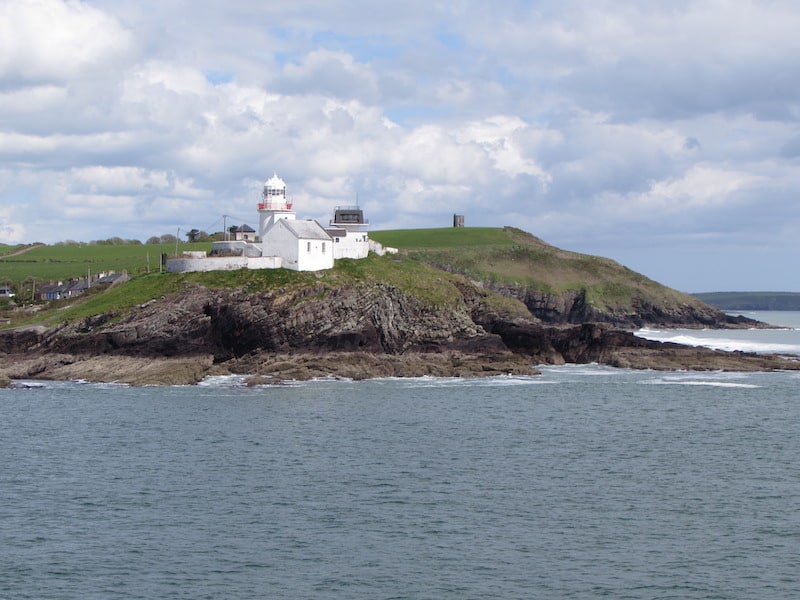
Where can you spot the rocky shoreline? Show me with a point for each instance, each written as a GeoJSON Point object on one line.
{"type": "Point", "coordinates": [583, 345]}
{"type": "Point", "coordinates": [356, 332]}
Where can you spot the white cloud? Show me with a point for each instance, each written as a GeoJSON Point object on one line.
{"type": "Point", "coordinates": [57, 41]}
{"type": "Point", "coordinates": [497, 136]}
{"type": "Point", "coordinates": [118, 179]}
{"type": "Point", "coordinates": [325, 72]}
{"type": "Point", "coordinates": [702, 187]}
{"type": "Point", "coordinates": [40, 98]}
{"type": "Point", "coordinates": [579, 121]}
{"type": "Point", "coordinates": [10, 232]}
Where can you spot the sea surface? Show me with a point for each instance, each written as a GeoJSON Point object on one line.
{"type": "Point", "coordinates": [784, 339]}
{"type": "Point", "coordinates": [583, 482]}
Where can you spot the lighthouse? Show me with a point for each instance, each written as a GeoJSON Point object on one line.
{"type": "Point", "coordinates": [285, 241]}
{"type": "Point", "coordinates": [273, 206]}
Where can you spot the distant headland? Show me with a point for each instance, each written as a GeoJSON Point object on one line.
{"type": "Point", "coordinates": [751, 300]}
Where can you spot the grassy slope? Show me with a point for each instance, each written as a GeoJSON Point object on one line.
{"type": "Point", "coordinates": [433, 286]}
{"type": "Point", "coordinates": [513, 256]}
{"type": "Point", "coordinates": [6, 249]}
{"type": "Point", "coordinates": [505, 255]}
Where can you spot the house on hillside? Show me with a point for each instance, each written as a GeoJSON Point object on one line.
{"type": "Point", "coordinates": [58, 290]}
{"type": "Point", "coordinates": [242, 233]}
{"type": "Point", "coordinates": [54, 291]}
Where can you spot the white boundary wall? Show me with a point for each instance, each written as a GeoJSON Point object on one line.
{"type": "Point", "coordinates": [222, 263]}
{"type": "Point", "coordinates": [380, 249]}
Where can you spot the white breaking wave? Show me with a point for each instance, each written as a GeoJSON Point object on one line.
{"type": "Point", "coordinates": [701, 382]}
{"type": "Point", "coordinates": [496, 381]}
{"type": "Point", "coordinates": [223, 381]}
{"type": "Point", "coordinates": [589, 370]}
{"type": "Point", "coordinates": [760, 341]}
{"type": "Point", "coordinates": [721, 379]}
{"type": "Point", "coordinates": [49, 384]}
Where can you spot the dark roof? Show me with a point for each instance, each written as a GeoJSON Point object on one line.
{"type": "Point", "coordinates": [243, 228]}
{"type": "Point", "coordinates": [348, 216]}
{"type": "Point", "coordinates": [110, 278]}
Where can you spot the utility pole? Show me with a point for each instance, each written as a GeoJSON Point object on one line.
{"type": "Point", "coordinates": [177, 239]}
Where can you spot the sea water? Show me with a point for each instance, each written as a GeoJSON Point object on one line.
{"type": "Point", "coordinates": [583, 482]}
{"type": "Point", "coordinates": [783, 339]}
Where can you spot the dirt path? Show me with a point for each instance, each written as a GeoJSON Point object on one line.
{"type": "Point", "coordinates": [22, 250]}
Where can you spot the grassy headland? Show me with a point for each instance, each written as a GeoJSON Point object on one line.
{"type": "Point", "coordinates": [434, 287]}
{"type": "Point", "coordinates": [510, 256]}
{"type": "Point", "coordinates": [515, 263]}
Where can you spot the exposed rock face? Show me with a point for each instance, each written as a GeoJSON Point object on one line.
{"type": "Point", "coordinates": [572, 307]}
{"type": "Point", "coordinates": [357, 330]}
{"type": "Point", "coordinates": [372, 318]}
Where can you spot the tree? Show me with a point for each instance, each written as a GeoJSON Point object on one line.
{"type": "Point", "coordinates": [166, 238]}
{"type": "Point", "coordinates": [191, 235]}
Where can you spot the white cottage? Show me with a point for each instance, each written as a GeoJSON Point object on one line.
{"type": "Point", "coordinates": [302, 245]}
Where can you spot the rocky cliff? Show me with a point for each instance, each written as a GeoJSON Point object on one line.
{"type": "Point", "coordinates": [558, 286]}
{"type": "Point", "coordinates": [573, 306]}
{"type": "Point", "coordinates": [347, 327]}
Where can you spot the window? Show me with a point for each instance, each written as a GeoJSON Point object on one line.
{"type": "Point", "coordinates": [323, 247]}
{"type": "Point", "coordinates": [308, 248]}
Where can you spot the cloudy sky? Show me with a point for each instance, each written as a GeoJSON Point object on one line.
{"type": "Point", "coordinates": [662, 134]}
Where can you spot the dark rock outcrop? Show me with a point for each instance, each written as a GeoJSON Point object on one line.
{"type": "Point", "coordinates": [572, 307]}
{"type": "Point", "coordinates": [358, 330]}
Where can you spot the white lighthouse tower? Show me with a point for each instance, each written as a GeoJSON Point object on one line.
{"type": "Point", "coordinates": [273, 206]}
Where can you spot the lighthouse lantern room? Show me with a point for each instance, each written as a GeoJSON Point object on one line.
{"type": "Point", "coordinates": [273, 205]}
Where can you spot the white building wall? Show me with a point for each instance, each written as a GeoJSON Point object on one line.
{"type": "Point", "coordinates": [353, 245]}
{"type": "Point", "coordinates": [298, 254]}
{"type": "Point", "coordinates": [267, 218]}
{"type": "Point", "coordinates": [314, 254]}
{"type": "Point", "coordinates": [281, 242]}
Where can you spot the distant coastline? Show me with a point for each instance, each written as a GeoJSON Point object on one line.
{"type": "Point", "coordinates": [751, 300]}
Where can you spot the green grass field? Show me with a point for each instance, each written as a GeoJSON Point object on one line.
{"type": "Point", "coordinates": [59, 263]}
{"type": "Point", "coordinates": [471, 237]}
{"type": "Point", "coordinates": [430, 285]}
{"type": "Point", "coordinates": [6, 249]}
{"type": "Point", "coordinates": [62, 262]}
{"type": "Point", "coordinates": [495, 256]}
